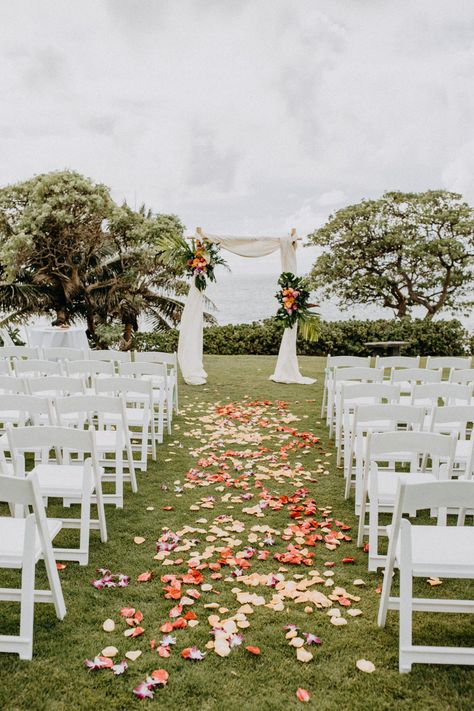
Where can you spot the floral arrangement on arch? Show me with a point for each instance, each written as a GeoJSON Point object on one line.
{"type": "Point", "coordinates": [295, 307]}
{"type": "Point", "coordinates": [201, 259]}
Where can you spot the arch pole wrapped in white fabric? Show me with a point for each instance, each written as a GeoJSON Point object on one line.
{"type": "Point", "coordinates": [287, 369]}
{"type": "Point", "coordinates": [190, 345]}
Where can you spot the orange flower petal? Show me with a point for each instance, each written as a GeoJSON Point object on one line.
{"type": "Point", "coordinates": [303, 695]}
{"type": "Point", "coordinates": [160, 675]}
{"type": "Point", "coordinates": [253, 650]}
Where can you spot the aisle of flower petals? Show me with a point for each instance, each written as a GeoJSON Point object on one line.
{"type": "Point", "coordinates": [253, 459]}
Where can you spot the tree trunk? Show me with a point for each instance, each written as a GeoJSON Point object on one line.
{"type": "Point", "coordinates": [61, 316]}
{"type": "Point", "coordinates": [127, 337]}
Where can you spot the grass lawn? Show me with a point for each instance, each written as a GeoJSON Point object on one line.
{"type": "Point", "coordinates": [57, 679]}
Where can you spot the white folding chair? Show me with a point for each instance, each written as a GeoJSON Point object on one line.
{"type": "Point", "coordinates": [56, 386]}
{"type": "Point", "coordinates": [348, 397]}
{"type": "Point", "coordinates": [110, 356]}
{"type": "Point", "coordinates": [23, 542]}
{"type": "Point", "coordinates": [333, 362]}
{"type": "Point", "coordinates": [138, 397]}
{"type": "Point", "coordinates": [9, 384]}
{"type": "Point", "coordinates": [448, 362]}
{"type": "Point", "coordinates": [389, 363]}
{"type": "Point", "coordinates": [32, 368]}
{"type": "Point", "coordinates": [462, 377]}
{"type": "Point", "coordinates": [89, 370]}
{"type": "Point", "coordinates": [65, 354]}
{"type": "Point", "coordinates": [64, 477]}
{"type": "Point", "coordinates": [19, 352]}
{"type": "Point", "coordinates": [422, 551]}
{"type": "Point", "coordinates": [430, 395]}
{"type": "Point", "coordinates": [20, 410]}
{"type": "Point", "coordinates": [380, 482]}
{"type": "Point", "coordinates": [385, 417]}
{"type": "Point", "coordinates": [171, 361]}
{"type": "Point", "coordinates": [157, 373]}
{"type": "Point", "coordinates": [407, 378]}
{"type": "Point", "coordinates": [458, 420]}
{"type": "Point", "coordinates": [344, 376]}
{"type": "Point", "coordinates": [112, 440]}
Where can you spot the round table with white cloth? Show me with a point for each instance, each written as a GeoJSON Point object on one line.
{"type": "Point", "coordinates": [56, 337]}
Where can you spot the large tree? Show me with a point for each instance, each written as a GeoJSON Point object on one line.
{"type": "Point", "coordinates": [68, 250]}
{"type": "Point", "coordinates": [401, 251]}
{"type": "Point", "coordinates": [52, 232]}
{"type": "Point", "coordinates": [132, 280]}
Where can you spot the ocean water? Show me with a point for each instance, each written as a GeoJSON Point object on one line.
{"type": "Point", "coordinates": [242, 297]}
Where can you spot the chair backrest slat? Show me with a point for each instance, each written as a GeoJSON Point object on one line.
{"type": "Point", "coordinates": [457, 362]}
{"type": "Point", "coordinates": [37, 367]}
{"type": "Point", "coordinates": [357, 373]}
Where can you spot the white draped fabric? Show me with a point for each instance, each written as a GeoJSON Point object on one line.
{"type": "Point", "coordinates": [287, 369]}
{"type": "Point", "coordinates": [190, 338]}
{"type": "Point", "coordinates": [191, 329]}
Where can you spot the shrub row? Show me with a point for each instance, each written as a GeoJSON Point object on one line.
{"type": "Point", "coordinates": [336, 337]}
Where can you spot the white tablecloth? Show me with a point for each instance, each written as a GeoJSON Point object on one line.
{"type": "Point", "coordinates": [53, 337]}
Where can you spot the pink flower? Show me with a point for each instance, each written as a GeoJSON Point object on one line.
{"type": "Point", "coordinates": [142, 691]}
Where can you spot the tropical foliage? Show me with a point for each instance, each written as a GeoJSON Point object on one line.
{"type": "Point", "coordinates": [293, 297]}
{"type": "Point", "coordinates": [425, 337]}
{"type": "Point", "coordinates": [402, 251]}
{"type": "Point", "coordinates": [198, 258]}
{"type": "Point", "coordinates": [68, 251]}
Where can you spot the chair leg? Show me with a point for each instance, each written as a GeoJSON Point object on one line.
{"type": "Point", "coordinates": [28, 589]}
{"type": "Point", "coordinates": [151, 433]}
{"type": "Point", "coordinates": [54, 584]}
{"type": "Point", "coordinates": [100, 512]}
{"type": "Point", "coordinates": [84, 530]}
{"type": "Point", "coordinates": [119, 476]}
{"type": "Point", "coordinates": [363, 509]}
{"type": "Point", "coordinates": [323, 404]}
{"type": "Point", "coordinates": [131, 466]}
{"type": "Point", "coordinates": [406, 597]}
{"type": "Point", "coordinates": [347, 490]}
{"type": "Point", "coordinates": [373, 533]}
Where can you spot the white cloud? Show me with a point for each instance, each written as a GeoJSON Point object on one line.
{"type": "Point", "coordinates": [247, 116]}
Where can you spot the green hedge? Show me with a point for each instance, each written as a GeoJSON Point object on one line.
{"type": "Point", "coordinates": [336, 337]}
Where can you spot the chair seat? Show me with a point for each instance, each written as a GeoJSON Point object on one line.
{"type": "Point", "coordinates": [444, 551]}
{"type": "Point", "coordinates": [61, 479]}
{"type": "Point", "coordinates": [12, 533]}
{"type": "Point", "coordinates": [387, 483]}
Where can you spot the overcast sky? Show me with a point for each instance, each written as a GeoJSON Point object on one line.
{"type": "Point", "coordinates": [242, 116]}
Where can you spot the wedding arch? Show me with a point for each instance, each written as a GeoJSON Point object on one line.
{"type": "Point", "coordinates": [190, 345]}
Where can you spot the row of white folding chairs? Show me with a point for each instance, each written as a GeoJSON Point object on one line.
{"type": "Point", "coordinates": [163, 383]}
{"type": "Point", "coordinates": [108, 414]}
{"type": "Point", "coordinates": [369, 419]}
{"type": "Point", "coordinates": [420, 550]}
{"type": "Point", "coordinates": [138, 396]}
{"type": "Point", "coordinates": [432, 457]}
{"type": "Point", "coordinates": [10, 355]}
{"type": "Point", "coordinates": [74, 474]}
{"type": "Point", "coordinates": [387, 364]}
{"type": "Point", "coordinates": [352, 393]}
{"type": "Point", "coordinates": [405, 378]}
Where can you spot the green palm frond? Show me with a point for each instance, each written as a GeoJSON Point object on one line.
{"type": "Point", "coordinates": [309, 328]}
